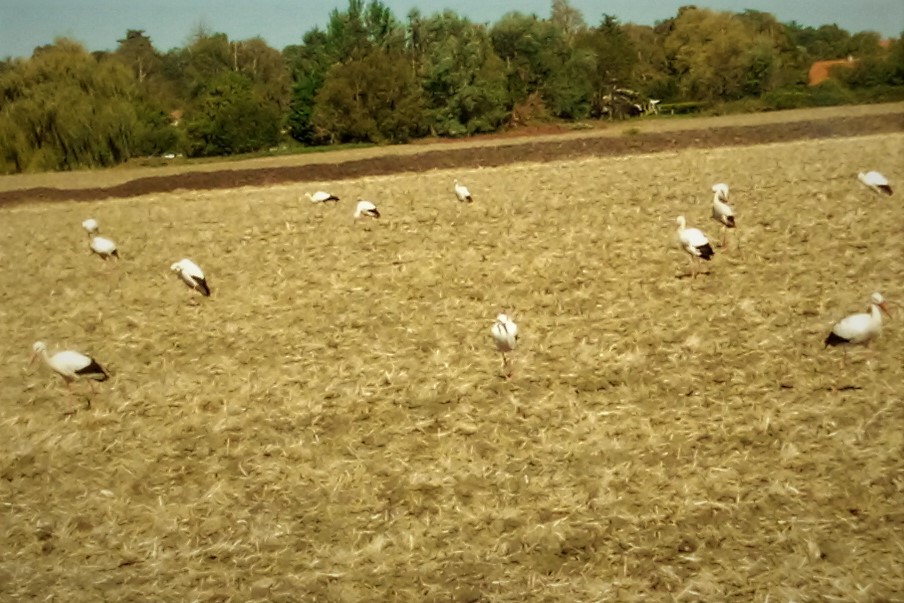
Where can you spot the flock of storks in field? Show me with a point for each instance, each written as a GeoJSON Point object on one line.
{"type": "Point", "coordinates": [858, 328]}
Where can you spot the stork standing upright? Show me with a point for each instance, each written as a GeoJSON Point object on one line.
{"type": "Point", "coordinates": [694, 243]}
{"type": "Point", "coordinates": [70, 365]}
{"type": "Point", "coordinates": [505, 334]}
{"type": "Point", "coordinates": [722, 211]}
{"type": "Point", "coordinates": [462, 192]}
{"type": "Point", "coordinates": [192, 275]}
{"type": "Point", "coordinates": [859, 328]}
{"type": "Point", "coordinates": [876, 182]}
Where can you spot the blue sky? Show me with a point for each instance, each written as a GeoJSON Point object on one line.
{"type": "Point", "coordinates": [97, 24]}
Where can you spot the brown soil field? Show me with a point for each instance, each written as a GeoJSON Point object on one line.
{"type": "Point", "coordinates": [333, 424]}
{"type": "Point", "coordinates": [537, 143]}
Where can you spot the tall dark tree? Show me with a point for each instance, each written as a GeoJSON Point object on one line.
{"type": "Point", "coordinates": [533, 50]}
{"type": "Point", "coordinates": [349, 36]}
{"type": "Point", "coordinates": [615, 58]}
{"type": "Point", "coordinates": [822, 43]}
{"type": "Point", "coordinates": [361, 27]}
{"type": "Point", "coordinates": [138, 53]}
{"type": "Point", "coordinates": [308, 64]}
{"type": "Point", "coordinates": [156, 94]}
{"type": "Point", "coordinates": [374, 98]}
{"type": "Point", "coordinates": [231, 118]}
{"type": "Point", "coordinates": [463, 79]}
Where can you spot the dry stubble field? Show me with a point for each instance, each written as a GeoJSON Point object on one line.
{"type": "Point", "coordinates": [332, 425]}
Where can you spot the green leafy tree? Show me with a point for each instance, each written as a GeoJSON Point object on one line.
{"type": "Point", "coordinates": [820, 44]}
{"type": "Point", "coordinates": [361, 28]}
{"type": "Point", "coordinates": [308, 64]}
{"type": "Point", "coordinates": [463, 80]}
{"type": "Point", "coordinates": [138, 53]}
{"type": "Point", "coordinates": [540, 60]}
{"type": "Point", "coordinates": [570, 91]}
{"type": "Point", "coordinates": [350, 35]}
{"type": "Point", "coordinates": [207, 57]}
{"type": "Point", "coordinates": [567, 18]}
{"type": "Point", "coordinates": [221, 81]}
{"type": "Point", "coordinates": [63, 109]}
{"type": "Point", "coordinates": [231, 118]}
{"type": "Point", "coordinates": [650, 75]}
{"type": "Point", "coordinates": [532, 49]}
{"type": "Point", "coordinates": [716, 56]}
{"type": "Point", "coordinates": [374, 98]}
{"type": "Point", "coordinates": [615, 58]}
{"type": "Point", "coordinates": [266, 68]}
{"type": "Point", "coordinates": [156, 95]}
{"type": "Point", "coordinates": [875, 68]}
{"type": "Point", "coordinates": [895, 60]}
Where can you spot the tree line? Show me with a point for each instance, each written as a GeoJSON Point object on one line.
{"type": "Point", "coordinates": [369, 77]}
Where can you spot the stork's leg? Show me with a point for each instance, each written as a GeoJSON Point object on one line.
{"type": "Point", "coordinates": [506, 366]}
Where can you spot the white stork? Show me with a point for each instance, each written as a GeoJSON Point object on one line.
{"type": "Point", "coordinates": [366, 209]}
{"type": "Point", "coordinates": [694, 243]}
{"type": "Point", "coordinates": [505, 334]}
{"type": "Point", "coordinates": [192, 275]}
{"type": "Point", "coordinates": [721, 190]}
{"type": "Point", "coordinates": [722, 211]}
{"type": "Point", "coordinates": [875, 181]}
{"type": "Point", "coordinates": [91, 226]}
{"type": "Point", "coordinates": [321, 197]}
{"type": "Point", "coordinates": [104, 247]}
{"type": "Point", "coordinates": [462, 192]}
{"type": "Point", "coordinates": [70, 365]}
{"type": "Point", "coordinates": [859, 328]}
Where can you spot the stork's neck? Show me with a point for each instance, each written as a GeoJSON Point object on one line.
{"type": "Point", "coordinates": [875, 314]}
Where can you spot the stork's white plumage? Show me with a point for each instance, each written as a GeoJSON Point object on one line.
{"type": "Point", "coordinates": [875, 181]}
{"type": "Point", "coordinates": [694, 243]}
{"type": "Point", "coordinates": [505, 334]}
{"type": "Point", "coordinates": [91, 226]}
{"type": "Point", "coordinates": [321, 197]}
{"type": "Point", "coordinates": [462, 192]}
{"type": "Point", "coordinates": [104, 247]}
{"type": "Point", "coordinates": [366, 209]}
{"type": "Point", "coordinates": [722, 213]}
{"type": "Point", "coordinates": [859, 328]}
{"type": "Point", "coordinates": [721, 191]}
{"type": "Point", "coordinates": [70, 365]}
{"type": "Point", "coordinates": [192, 275]}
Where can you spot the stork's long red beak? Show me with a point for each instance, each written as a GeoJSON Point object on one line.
{"type": "Point", "coordinates": [884, 307]}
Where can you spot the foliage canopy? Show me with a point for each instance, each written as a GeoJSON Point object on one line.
{"type": "Point", "coordinates": [369, 77]}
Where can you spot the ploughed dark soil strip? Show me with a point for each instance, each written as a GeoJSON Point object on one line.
{"type": "Point", "coordinates": [482, 156]}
